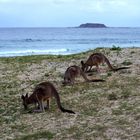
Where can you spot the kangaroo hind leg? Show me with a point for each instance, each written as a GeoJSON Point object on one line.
{"type": "Point", "coordinates": [48, 104]}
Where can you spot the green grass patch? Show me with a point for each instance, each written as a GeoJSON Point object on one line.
{"type": "Point", "coordinates": [127, 63]}
{"type": "Point", "coordinates": [112, 96]}
{"type": "Point", "coordinates": [38, 135]}
{"type": "Point", "coordinates": [115, 48]}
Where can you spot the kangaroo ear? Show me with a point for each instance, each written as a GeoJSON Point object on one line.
{"type": "Point", "coordinates": [82, 62]}
{"type": "Point", "coordinates": [26, 95]}
{"type": "Point", "coordinates": [22, 97]}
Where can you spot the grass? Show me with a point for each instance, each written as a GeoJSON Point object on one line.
{"type": "Point", "coordinates": [39, 135]}
{"type": "Point", "coordinates": [112, 96]}
{"type": "Point", "coordinates": [114, 48]}
{"type": "Point", "coordinates": [107, 110]}
{"type": "Point", "coordinates": [127, 63]}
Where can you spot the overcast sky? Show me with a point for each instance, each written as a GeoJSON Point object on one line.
{"type": "Point", "coordinates": [68, 13]}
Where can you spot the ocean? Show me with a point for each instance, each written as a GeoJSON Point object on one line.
{"type": "Point", "coordinates": [36, 41]}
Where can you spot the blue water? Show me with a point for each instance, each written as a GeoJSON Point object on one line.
{"type": "Point", "coordinates": [32, 41]}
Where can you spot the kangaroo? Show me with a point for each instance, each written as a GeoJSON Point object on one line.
{"type": "Point", "coordinates": [96, 59]}
{"type": "Point", "coordinates": [43, 92]}
{"type": "Point", "coordinates": [74, 71]}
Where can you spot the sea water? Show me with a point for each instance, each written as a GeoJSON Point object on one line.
{"type": "Point", "coordinates": [35, 41]}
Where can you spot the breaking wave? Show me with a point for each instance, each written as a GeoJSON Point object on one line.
{"type": "Point", "coordinates": [62, 51]}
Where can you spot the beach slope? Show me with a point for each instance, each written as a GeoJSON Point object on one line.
{"type": "Point", "coordinates": [108, 110]}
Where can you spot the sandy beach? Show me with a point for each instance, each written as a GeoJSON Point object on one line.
{"type": "Point", "coordinates": [108, 110]}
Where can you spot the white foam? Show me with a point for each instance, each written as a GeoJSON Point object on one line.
{"type": "Point", "coordinates": [34, 52]}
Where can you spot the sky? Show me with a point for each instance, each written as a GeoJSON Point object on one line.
{"type": "Point", "coordinates": [69, 13]}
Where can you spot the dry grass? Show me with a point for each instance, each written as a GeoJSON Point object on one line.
{"type": "Point", "coordinates": [108, 110]}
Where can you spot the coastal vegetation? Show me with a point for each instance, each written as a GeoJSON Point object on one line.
{"type": "Point", "coordinates": [104, 110]}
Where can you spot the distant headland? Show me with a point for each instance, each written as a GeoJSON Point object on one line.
{"type": "Point", "coordinates": [92, 25]}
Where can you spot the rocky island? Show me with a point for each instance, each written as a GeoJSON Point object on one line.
{"type": "Point", "coordinates": [92, 25]}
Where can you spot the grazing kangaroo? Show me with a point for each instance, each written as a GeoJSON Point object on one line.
{"type": "Point", "coordinates": [43, 92]}
{"type": "Point", "coordinates": [96, 59]}
{"type": "Point", "coordinates": [72, 72]}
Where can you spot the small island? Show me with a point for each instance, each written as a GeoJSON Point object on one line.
{"type": "Point", "coordinates": [92, 25]}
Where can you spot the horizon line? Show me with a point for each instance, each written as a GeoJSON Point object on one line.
{"type": "Point", "coordinates": [67, 27]}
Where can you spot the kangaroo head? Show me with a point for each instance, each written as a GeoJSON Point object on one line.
{"type": "Point", "coordinates": [83, 65]}
{"type": "Point", "coordinates": [66, 81]}
{"type": "Point", "coordinates": [25, 98]}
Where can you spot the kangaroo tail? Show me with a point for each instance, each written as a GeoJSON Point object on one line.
{"type": "Point", "coordinates": [66, 110]}
{"type": "Point", "coordinates": [108, 63]}
{"type": "Point", "coordinates": [56, 95]}
{"type": "Point", "coordinates": [116, 69]}
{"type": "Point", "coordinates": [97, 80]}
{"type": "Point", "coordinates": [84, 75]}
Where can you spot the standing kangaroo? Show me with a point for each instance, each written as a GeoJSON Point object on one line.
{"type": "Point", "coordinates": [96, 59]}
{"type": "Point", "coordinates": [74, 71]}
{"type": "Point", "coordinates": [43, 92]}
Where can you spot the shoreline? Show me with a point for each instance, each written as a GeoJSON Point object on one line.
{"type": "Point", "coordinates": [24, 55]}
